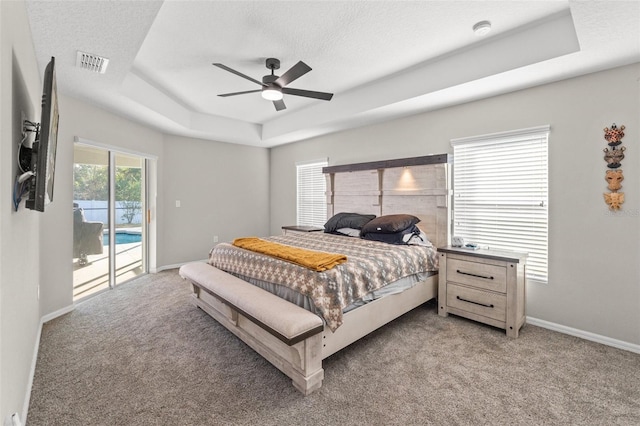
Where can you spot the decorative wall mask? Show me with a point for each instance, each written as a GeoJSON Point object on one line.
{"type": "Point", "coordinates": [614, 200]}
{"type": "Point", "coordinates": [614, 135]}
{"type": "Point", "coordinates": [614, 178]}
{"type": "Point", "coordinates": [614, 157]}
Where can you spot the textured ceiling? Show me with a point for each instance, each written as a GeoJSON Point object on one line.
{"type": "Point", "coordinates": [381, 59]}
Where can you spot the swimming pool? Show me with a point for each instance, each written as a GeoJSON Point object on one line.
{"type": "Point", "coordinates": [123, 237]}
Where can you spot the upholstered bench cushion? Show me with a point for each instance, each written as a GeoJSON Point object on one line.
{"type": "Point", "coordinates": [291, 323]}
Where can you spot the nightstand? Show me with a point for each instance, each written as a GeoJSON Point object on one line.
{"type": "Point", "coordinates": [289, 229]}
{"type": "Point", "coordinates": [483, 285]}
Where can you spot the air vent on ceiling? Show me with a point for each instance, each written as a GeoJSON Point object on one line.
{"type": "Point", "coordinates": [92, 62]}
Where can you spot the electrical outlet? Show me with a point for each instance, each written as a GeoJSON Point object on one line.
{"type": "Point", "coordinates": [177, 203]}
{"type": "Point", "coordinates": [12, 420]}
{"type": "Point", "coordinates": [215, 238]}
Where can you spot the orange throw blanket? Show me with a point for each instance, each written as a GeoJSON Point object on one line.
{"type": "Point", "coordinates": [315, 260]}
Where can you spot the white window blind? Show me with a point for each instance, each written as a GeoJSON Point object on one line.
{"type": "Point", "coordinates": [500, 193]}
{"type": "Point", "coordinates": [312, 204]}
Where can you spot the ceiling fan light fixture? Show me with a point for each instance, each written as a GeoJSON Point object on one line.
{"type": "Point", "coordinates": [482, 28]}
{"type": "Point", "coordinates": [273, 87]}
{"type": "Point", "coordinates": [272, 93]}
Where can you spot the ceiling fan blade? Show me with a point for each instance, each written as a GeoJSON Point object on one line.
{"type": "Point", "coordinates": [279, 105]}
{"type": "Point", "coordinates": [295, 72]}
{"type": "Point", "coordinates": [238, 73]}
{"type": "Point", "coordinates": [308, 93]}
{"type": "Point", "coordinates": [224, 95]}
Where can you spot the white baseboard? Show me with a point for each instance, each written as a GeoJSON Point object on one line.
{"type": "Point", "coordinates": [174, 266]}
{"type": "Point", "coordinates": [620, 344]}
{"type": "Point", "coordinates": [598, 338]}
{"type": "Point", "coordinates": [56, 314]}
{"type": "Point", "coordinates": [32, 370]}
{"type": "Point", "coordinates": [32, 373]}
{"type": "Point", "coordinates": [51, 316]}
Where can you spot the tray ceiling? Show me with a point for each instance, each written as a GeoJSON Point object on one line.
{"type": "Point", "coordinates": [381, 59]}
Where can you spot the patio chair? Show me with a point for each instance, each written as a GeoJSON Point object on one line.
{"type": "Point", "coordinates": [87, 236]}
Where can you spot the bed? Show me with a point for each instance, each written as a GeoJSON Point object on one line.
{"type": "Point", "coordinates": [277, 308]}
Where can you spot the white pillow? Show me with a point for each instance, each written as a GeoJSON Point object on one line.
{"type": "Point", "coordinates": [350, 232]}
{"type": "Point", "coordinates": [417, 240]}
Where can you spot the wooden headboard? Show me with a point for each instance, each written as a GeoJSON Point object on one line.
{"type": "Point", "coordinates": [418, 185]}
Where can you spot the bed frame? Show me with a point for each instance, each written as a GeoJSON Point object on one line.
{"type": "Point", "coordinates": [295, 340]}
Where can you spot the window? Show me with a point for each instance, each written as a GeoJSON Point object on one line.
{"type": "Point", "coordinates": [312, 202]}
{"type": "Point", "coordinates": [500, 184]}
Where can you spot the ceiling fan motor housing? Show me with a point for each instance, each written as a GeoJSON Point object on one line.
{"type": "Point", "coordinates": [269, 79]}
{"type": "Point", "coordinates": [273, 86]}
{"type": "Point", "coordinates": [271, 90]}
{"type": "Point", "coordinates": [273, 63]}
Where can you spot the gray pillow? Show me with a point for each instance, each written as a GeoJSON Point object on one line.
{"type": "Point", "coordinates": [389, 224]}
{"type": "Point", "coordinates": [347, 220]}
{"type": "Point", "coordinates": [393, 237]}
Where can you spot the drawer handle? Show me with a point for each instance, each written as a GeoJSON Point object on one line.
{"type": "Point", "coordinates": [475, 303]}
{"type": "Point", "coordinates": [473, 275]}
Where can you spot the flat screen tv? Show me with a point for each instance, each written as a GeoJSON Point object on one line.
{"type": "Point", "coordinates": [43, 154]}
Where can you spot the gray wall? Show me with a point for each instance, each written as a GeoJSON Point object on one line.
{"type": "Point", "coordinates": [223, 188]}
{"type": "Point", "coordinates": [593, 254]}
{"type": "Point", "coordinates": [78, 119]}
{"type": "Point", "coordinates": [20, 91]}
{"type": "Point", "coordinates": [229, 190]}
{"type": "Point", "coordinates": [218, 195]}
{"type": "Point", "coordinates": [223, 191]}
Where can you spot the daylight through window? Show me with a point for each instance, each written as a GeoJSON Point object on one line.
{"type": "Point", "coordinates": [312, 204]}
{"type": "Point", "coordinates": [500, 193]}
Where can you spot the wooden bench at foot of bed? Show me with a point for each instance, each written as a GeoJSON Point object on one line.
{"type": "Point", "coordinates": [286, 335]}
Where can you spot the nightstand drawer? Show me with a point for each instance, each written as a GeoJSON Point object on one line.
{"type": "Point", "coordinates": [491, 305]}
{"type": "Point", "coordinates": [480, 275]}
{"type": "Point", "coordinates": [479, 284]}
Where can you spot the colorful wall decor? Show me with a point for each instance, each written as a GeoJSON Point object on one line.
{"type": "Point", "coordinates": [614, 157]}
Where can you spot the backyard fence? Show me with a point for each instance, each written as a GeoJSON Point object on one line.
{"type": "Point", "coordinates": [98, 211]}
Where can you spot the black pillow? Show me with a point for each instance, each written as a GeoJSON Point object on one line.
{"type": "Point", "coordinates": [347, 220]}
{"type": "Point", "coordinates": [389, 224]}
{"type": "Point", "coordinates": [392, 237]}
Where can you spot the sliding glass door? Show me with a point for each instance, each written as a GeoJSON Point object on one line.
{"type": "Point", "coordinates": [129, 209]}
{"type": "Point", "coordinates": [90, 220]}
{"type": "Point", "coordinates": [109, 219]}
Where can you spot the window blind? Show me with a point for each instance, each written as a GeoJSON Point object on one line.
{"type": "Point", "coordinates": [311, 187]}
{"type": "Point", "coordinates": [501, 193]}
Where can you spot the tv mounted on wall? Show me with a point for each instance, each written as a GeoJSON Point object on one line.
{"type": "Point", "coordinates": [43, 151]}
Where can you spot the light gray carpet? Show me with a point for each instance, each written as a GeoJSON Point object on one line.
{"type": "Point", "coordinates": [143, 355]}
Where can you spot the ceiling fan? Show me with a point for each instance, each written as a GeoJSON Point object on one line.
{"type": "Point", "coordinates": [274, 87]}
